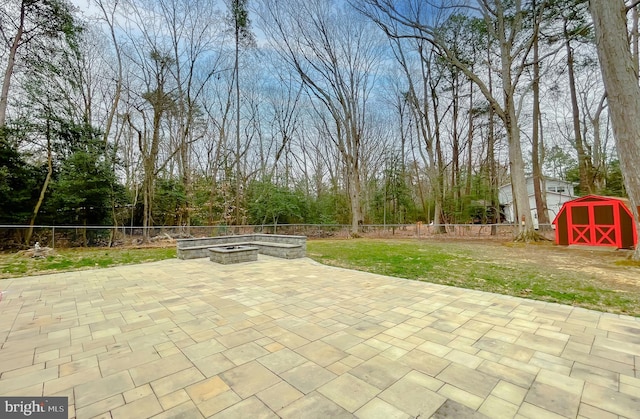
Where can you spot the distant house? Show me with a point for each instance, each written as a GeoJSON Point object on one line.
{"type": "Point", "coordinates": [558, 192]}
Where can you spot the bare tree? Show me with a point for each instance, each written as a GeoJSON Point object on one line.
{"type": "Point", "coordinates": [284, 101]}
{"type": "Point", "coordinates": [594, 116]}
{"type": "Point", "coordinates": [504, 22]}
{"type": "Point", "coordinates": [574, 26]}
{"type": "Point", "coordinates": [240, 24]}
{"type": "Point", "coordinates": [108, 10]}
{"type": "Point", "coordinates": [335, 53]}
{"type": "Point", "coordinates": [423, 99]}
{"type": "Point", "coordinates": [194, 43]}
{"type": "Point", "coordinates": [25, 23]}
{"type": "Point", "coordinates": [217, 105]}
{"type": "Point", "coordinates": [160, 97]}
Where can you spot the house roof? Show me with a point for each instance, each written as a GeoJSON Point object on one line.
{"type": "Point", "coordinates": [564, 195]}
{"type": "Point", "coordinates": [546, 178]}
{"type": "Point", "coordinates": [588, 198]}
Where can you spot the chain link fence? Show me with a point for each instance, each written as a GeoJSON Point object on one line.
{"type": "Point", "coordinates": [13, 237]}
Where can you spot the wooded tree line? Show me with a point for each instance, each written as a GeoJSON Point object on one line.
{"type": "Point", "coordinates": [196, 112]}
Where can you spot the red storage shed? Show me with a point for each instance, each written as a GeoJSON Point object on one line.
{"type": "Point", "coordinates": [596, 221]}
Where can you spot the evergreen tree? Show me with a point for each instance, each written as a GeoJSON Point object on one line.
{"type": "Point", "coordinates": [19, 181]}
{"type": "Point", "coordinates": [82, 191]}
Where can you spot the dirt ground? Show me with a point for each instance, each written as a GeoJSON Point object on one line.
{"type": "Point", "coordinates": [611, 266]}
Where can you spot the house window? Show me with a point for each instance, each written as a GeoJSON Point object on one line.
{"type": "Point", "coordinates": [559, 189]}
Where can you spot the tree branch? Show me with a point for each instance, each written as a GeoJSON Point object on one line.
{"type": "Point", "coordinates": [632, 5]}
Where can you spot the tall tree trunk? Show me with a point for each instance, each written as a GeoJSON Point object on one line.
{"type": "Point", "coordinates": [116, 94]}
{"type": "Point", "coordinates": [522, 209]}
{"type": "Point", "coordinates": [621, 82]}
{"type": "Point", "coordinates": [635, 38]}
{"type": "Point", "coordinates": [146, 209]}
{"type": "Point", "coordinates": [425, 132]}
{"type": "Point", "coordinates": [149, 154]}
{"type": "Point", "coordinates": [598, 156]}
{"type": "Point", "coordinates": [518, 182]}
{"type": "Point", "coordinates": [455, 157]}
{"type": "Point", "coordinates": [350, 147]}
{"type": "Point", "coordinates": [491, 159]}
{"type": "Point", "coordinates": [584, 160]}
{"type": "Point", "coordinates": [354, 196]}
{"type": "Point", "coordinates": [112, 111]}
{"type": "Point", "coordinates": [185, 157]}
{"type": "Point", "coordinates": [493, 175]}
{"type": "Point", "coordinates": [437, 166]}
{"type": "Point", "coordinates": [236, 70]}
{"type": "Point", "coordinates": [538, 180]}
{"type": "Point", "coordinates": [470, 133]}
{"type": "Point", "coordinates": [150, 173]}
{"type": "Point", "coordinates": [45, 185]}
{"type": "Point", "coordinates": [11, 61]}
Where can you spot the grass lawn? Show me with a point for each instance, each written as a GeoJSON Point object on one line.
{"type": "Point", "coordinates": [542, 272]}
{"type": "Point", "coordinates": [605, 281]}
{"type": "Point", "coordinates": [14, 264]}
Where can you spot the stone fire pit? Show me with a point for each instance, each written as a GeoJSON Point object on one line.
{"type": "Point", "coordinates": [229, 254]}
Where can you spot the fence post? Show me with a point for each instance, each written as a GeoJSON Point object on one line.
{"type": "Point", "coordinates": [53, 237]}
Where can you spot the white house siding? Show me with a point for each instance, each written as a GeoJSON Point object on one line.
{"type": "Point", "coordinates": [554, 199]}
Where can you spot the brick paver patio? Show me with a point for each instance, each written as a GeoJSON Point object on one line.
{"type": "Point", "coordinates": [294, 339]}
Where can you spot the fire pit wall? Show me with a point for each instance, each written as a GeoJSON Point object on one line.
{"type": "Point", "coordinates": [227, 255]}
{"type": "Point", "coordinates": [284, 246]}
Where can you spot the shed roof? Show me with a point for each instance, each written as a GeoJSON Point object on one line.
{"type": "Point", "coordinates": [591, 198]}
